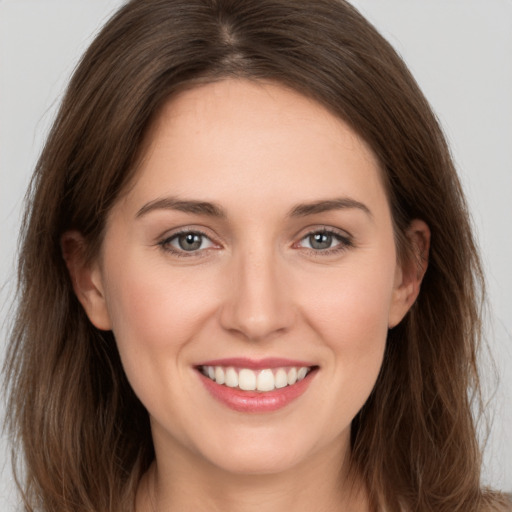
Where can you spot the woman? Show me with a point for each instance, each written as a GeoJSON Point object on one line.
{"type": "Point", "coordinates": [221, 268]}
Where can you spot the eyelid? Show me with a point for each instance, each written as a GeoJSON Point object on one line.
{"type": "Point", "coordinates": [346, 240]}
{"type": "Point", "coordinates": [323, 228]}
{"type": "Point", "coordinates": [164, 241]}
{"type": "Point", "coordinates": [344, 237]}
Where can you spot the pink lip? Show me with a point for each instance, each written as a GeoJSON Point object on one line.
{"type": "Point", "coordinates": [254, 401]}
{"type": "Point", "coordinates": [256, 364]}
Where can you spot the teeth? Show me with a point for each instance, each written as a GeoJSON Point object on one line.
{"type": "Point", "coordinates": [247, 380]}
{"type": "Point", "coordinates": [220, 378]}
{"type": "Point", "coordinates": [251, 380]}
{"type": "Point", "coordinates": [301, 373]}
{"type": "Point", "coordinates": [266, 381]}
{"type": "Point", "coordinates": [281, 378]}
{"type": "Point", "coordinates": [231, 378]}
{"type": "Point", "coordinates": [292, 376]}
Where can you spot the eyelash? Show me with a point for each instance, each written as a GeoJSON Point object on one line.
{"type": "Point", "coordinates": [165, 244]}
{"type": "Point", "coordinates": [345, 242]}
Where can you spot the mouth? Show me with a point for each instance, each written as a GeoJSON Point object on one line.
{"type": "Point", "coordinates": [248, 379]}
{"type": "Point", "coordinates": [250, 386]}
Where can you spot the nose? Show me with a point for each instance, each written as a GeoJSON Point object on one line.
{"type": "Point", "coordinates": [258, 303]}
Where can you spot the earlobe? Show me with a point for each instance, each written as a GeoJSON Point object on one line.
{"type": "Point", "coordinates": [86, 279]}
{"type": "Point", "coordinates": [410, 273]}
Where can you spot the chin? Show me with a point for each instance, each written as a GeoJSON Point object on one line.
{"type": "Point", "coordinates": [257, 461]}
{"type": "Point", "coordinates": [271, 452]}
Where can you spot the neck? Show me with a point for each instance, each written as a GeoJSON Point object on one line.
{"type": "Point", "coordinates": [187, 484]}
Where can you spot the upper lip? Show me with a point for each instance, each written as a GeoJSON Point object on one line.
{"type": "Point", "coordinates": [256, 364]}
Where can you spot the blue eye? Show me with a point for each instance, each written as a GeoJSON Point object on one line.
{"type": "Point", "coordinates": [320, 241]}
{"type": "Point", "coordinates": [189, 241]}
{"type": "Point", "coordinates": [186, 242]}
{"type": "Point", "coordinates": [325, 241]}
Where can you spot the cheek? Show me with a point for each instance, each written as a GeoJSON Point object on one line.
{"type": "Point", "coordinates": [153, 304]}
{"type": "Point", "coordinates": [357, 301]}
{"type": "Point", "coordinates": [351, 316]}
{"type": "Point", "coordinates": [155, 312]}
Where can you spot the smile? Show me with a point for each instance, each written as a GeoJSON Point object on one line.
{"type": "Point", "coordinates": [247, 379]}
{"type": "Point", "coordinates": [251, 386]}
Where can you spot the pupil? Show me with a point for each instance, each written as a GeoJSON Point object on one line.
{"type": "Point", "coordinates": [320, 241]}
{"type": "Point", "coordinates": [190, 242]}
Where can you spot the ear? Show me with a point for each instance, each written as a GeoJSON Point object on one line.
{"type": "Point", "coordinates": [409, 274]}
{"type": "Point", "coordinates": [86, 279]}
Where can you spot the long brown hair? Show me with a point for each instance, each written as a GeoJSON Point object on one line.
{"type": "Point", "coordinates": [83, 434]}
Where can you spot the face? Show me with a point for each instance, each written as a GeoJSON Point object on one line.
{"type": "Point", "coordinates": [250, 276]}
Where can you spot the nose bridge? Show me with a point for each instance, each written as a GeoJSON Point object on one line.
{"type": "Point", "coordinates": [258, 304]}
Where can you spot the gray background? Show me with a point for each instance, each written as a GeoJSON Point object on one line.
{"type": "Point", "coordinates": [461, 54]}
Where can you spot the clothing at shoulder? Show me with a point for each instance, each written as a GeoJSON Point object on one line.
{"type": "Point", "coordinates": [498, 502]}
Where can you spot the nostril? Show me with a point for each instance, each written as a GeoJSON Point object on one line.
{"type": "Point", "coordinates": [258, 304]}
{"type": "Point", "coordinates": [256, 322]}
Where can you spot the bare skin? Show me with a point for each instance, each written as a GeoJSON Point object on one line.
{"type": "Point", "coordinates": [257, 227]}
{"type": "Point", "coordinates": [250, 493]}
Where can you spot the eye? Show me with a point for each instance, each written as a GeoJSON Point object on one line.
{"type": "Point", "coordinates": [325, 241]}
{"type": "Point", "coordinates": [186, 242]}
{"type": "Point", "coordinates": [320, 241]}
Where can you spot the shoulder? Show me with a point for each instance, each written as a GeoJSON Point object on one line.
{"type": "Point", "coordinates": [497, 502]}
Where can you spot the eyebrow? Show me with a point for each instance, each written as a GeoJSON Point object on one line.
{"type": "Point", "coordinates": [214, 210]}
{"type": "Point", "coordinates": [187, 206]}
{"type": "Point", "coordinates": [342, 203]}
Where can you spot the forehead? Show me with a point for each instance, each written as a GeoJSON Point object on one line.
{"type": "Point", "coordinates": [255, 107]}
{"type": "Point", "coordinates": [261, 138]}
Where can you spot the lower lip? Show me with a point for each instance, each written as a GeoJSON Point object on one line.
{"type": "Point", "coordinates": [253, 401]}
